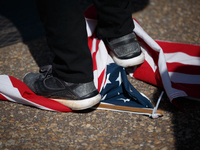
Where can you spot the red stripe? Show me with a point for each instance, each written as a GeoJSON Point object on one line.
{"type": "Point", "coordinates": [32, 97]}
{"type": "Point", "coordinates": [100, 80]}
{"type": "Point", "coordinates": [190, 89]}
{"type": "Point", "coordinates": [94, 61]}
{"type": "Point", "coordinates": [145, 73]}
{"type": "Point", "coordinates": [182, 68]}
{"type": "Point", "coordinates": [94, 55]}
{"type": "Point", "coordinates": [90, 39]}
{"type": "Point", "coordinates": [171, 47]}
{"type": "Point", "coordinates": [3, 98]}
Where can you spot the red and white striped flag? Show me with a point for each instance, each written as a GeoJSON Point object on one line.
{"type": "Point", "coordinates": [173, 66]}
{"type": "Point", "coordinates": [14, 90]}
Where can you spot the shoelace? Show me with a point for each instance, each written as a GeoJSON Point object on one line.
{"type": "Point", "coordinates": [46, 70]}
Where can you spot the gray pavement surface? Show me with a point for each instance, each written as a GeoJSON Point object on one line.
{"type": "Point", "coordinates": [25, 127]}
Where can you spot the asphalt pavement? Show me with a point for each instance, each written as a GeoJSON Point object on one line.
{"type": "Point", "coordinates": [23, 49]}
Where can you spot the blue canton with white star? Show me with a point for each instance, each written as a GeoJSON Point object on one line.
{"type": "Point", "coordinates": [119, 91]}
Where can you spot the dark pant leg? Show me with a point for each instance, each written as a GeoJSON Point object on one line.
{"type": "Point", "coordinates": [66, 36]}
{"type": "Point", "coordinates": [114, 18]}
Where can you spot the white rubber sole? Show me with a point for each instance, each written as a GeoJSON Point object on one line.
{"type": "Point", "coordinates": [80, 104]}
{"type": "Point", "coordinates": [128, 62]}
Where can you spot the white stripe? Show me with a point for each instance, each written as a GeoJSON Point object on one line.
{"type": "Point", "coordinates": [176, 93]}
{"type": "Point", "coordinates": [101, 57]}
{"type": "Point", "coordinates": [101, 61]}
{"type": "Point", "coordinates": [90, 26]}
{"type": "Point", "coordinates": [184, 78]}
{"type": "Point", "coordinates": [148, 58]}
{"type": "Point", "coordinates": [171, 92]}
{"type": "Point", "coordinates": [5, 80]}
{"type": "Point", "coordinates": [13, 94]}
{"type": "Point", "coordinates": [8, 98]}
{"type": "Point", "coordinates": [147, 39]}
{"type": "Point", "coordinates": [95, 72]}
{"type": "Point", "coordinates": [183, 58]}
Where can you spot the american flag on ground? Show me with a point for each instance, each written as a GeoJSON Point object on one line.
{"type": "Point", "coordinates": [110, 79]}
{"type": "Point", "coordinates": [164, 66]}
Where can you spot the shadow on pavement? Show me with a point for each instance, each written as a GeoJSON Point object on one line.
{"type": "Point", "coordinates": [19, 21]}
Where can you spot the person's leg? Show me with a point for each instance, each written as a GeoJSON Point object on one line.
{"type": "Point", "coordinates": [114, 18]}
{"type": "Point", "coordinates": [66, 36]}
{"type": "Point", "coordinates": [115, 27]}
{"type": "Point", "coordinates": [70, 81]}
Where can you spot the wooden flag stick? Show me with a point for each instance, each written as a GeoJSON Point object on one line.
{"type": "Point", "coordinates": [125, 108]}
{"type": "Point", "coordinates": [114, 107]}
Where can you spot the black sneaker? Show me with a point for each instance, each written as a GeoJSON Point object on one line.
{"type": "Point", "coordinates": [125, 50]}
{"type": "Point", "coordinates": [77, 96]}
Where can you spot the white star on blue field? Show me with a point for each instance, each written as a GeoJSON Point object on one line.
{"type": "Point", "coordinates": [119, 91]}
